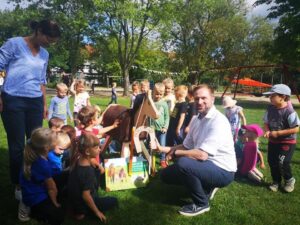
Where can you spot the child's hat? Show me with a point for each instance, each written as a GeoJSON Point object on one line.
{"type": "Point", "coordinates": [228, 102]}
{"type": "Point", "coordinates": [279, 89]}
{"type": "Point", "coordinates": [254, 128]}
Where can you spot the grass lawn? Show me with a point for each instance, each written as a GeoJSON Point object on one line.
{"type": "Point", "coordinates": [240, 203]}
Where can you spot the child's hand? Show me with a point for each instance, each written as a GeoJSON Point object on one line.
{"type": "Point", "coordinates": [177, 132]}
{"type": "Point", "coordinates": [163, 130]}
{"type": "Point", "coordinates": [116, 123]}
{"type": "Point", "coordinates": [262, 166]}
{"type": "Point", "coordinates": [267, 134]}
{"type": "Point", "coordinates": [101, 216]}
{"type": "Point", "coordinates": [101, 168]}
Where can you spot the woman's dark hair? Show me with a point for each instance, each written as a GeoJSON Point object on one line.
{"type": "Point", "coordinates": [46, 27]}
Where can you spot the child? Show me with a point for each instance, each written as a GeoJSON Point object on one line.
{"type": "Point", "coordinates": [169, 96]}
{"type": "Point", "coordinates": [82, 187]}
{"type": "Point", "coordinates": [135, 91]}
{"type": "Point", "coordinates": [161, 124]}
{"type": "Point", "coordinates": [191, 109]}
{"type": "Point", "coordinates": [59, 106]}
{"type": "Point", "coordinates": [39, 190]}
{"type": "Point", "coordinates": [247, 166]}
{"type": "Point", "coordinates": [55, 156]}
{"type": "Point", "coordinates": [55, 124]}
{"type": "Point", "coordinates": [234, 114]}
{"type": "Point", "coordinates": [281, 126]}
{"type": "Point", "coordinates": [145, 88]}
{"type": "Point", "coordinates": [82, 98]}
{"type": "Point", "coordinates": [175, 130]}
{"type": "Point", "coordinates": [113, 93]}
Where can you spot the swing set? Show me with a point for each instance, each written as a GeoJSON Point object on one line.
{"type": "Point", "coordinates": [287, 77]}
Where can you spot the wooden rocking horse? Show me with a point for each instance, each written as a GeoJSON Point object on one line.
{"type": "Point", "coordinates": [130, 120]}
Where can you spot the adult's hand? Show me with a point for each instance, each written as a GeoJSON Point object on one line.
{"type": "Point", "coordinates": [45, 114]}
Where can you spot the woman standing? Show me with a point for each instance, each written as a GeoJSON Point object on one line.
{"type": "Point", "coordinates": [23, 98]}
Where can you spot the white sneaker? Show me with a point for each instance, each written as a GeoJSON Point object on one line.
{"type": "Point", "coordinates": [23, 212]}
{"type": "Point", "coordinates": [18, 194]}
{"type": "Point", "coordinates": [274, 187]}
{"type": "Point", "coordinates": [289, 185]}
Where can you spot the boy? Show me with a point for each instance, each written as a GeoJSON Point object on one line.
{"type": "Point", "coordinates": [161, 124]}
{"type": "Point", "coordinates": [59, 106]}
{"type": "Point", "coordinates": [281, 126]}
{"type": "Point", "coordinates": [175, 130]}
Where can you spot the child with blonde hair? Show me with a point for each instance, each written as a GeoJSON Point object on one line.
{"type": "Point", "coordinates": [169, 96]}
{"type": "Point", "coordinates": [59, 105]}
{"type": "Point", "coordinates": [161, 124]}
{"type": "Point", "coordinates": [39, 191]}
{"type": "Point", "coordinates": [55, 156]}
{"type": "Point", "coordinates": [135, 91]}
{"type": "Point", "coordinates": [113, 93]}
{"type": "Point", "coordinates": [175, 130]}
{"type": "Point", "coordinates": [234, 114]}
{"type": "Point", "coordinates": [145, 88]}
{"type": "Point", "coordinates": [82, 185]}
{"type": "Point", "coordinates": [247, 166]}
{"type": "Point", "coordinates": [81, 97]}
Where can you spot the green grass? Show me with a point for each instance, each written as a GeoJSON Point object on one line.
{"type": "Point", "coordinates": [240, 203]}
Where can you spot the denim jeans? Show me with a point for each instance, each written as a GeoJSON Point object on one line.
{"type": "Point", "coordinates": [199, 177]}
{"type": "Point", "coordinates": [162, 138]}
{"type": "Point", "coordinates": [20, 115]}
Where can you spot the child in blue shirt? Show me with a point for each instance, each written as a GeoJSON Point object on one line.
{"type": "Point", "coordinates": [39, 191]}
{"type": "Point", "coordinates": [59, 106]}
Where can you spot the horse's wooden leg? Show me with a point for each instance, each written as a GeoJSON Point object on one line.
{"type": "Point", "coordinates": [106, 143]}
{"type": "Point", "coordinates": [125, 152]}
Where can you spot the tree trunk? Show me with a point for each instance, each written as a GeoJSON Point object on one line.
{"type": "Point", "coordinates": [125, 74]}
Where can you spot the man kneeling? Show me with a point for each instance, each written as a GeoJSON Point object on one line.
{"type": "Point", "coordinates": [206, 159]}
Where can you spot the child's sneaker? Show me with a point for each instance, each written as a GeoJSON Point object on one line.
{"type": "Point", "coordinates": [163, 164]}
{"type": "Point", "coordinates": [23, 212]}
{"type": "Point", "coordinates": [274, 187]}
{"type": "Point", "coordinates": [289, 185]}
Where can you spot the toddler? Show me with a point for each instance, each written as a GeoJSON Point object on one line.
{"type": "Point", "coordinates": [81, 97]}
{"type": "Point", "coordinates": [135, 91]}
{"type": "Point", "coordinates": [234, 114]}
{"type": "Point", "coordinates": [113, 93]}
{"type": "Point", "coordinates": [161, 124]}
{"type": "Point", "coordinates": [55, 124]}
{"type": "Point", "coordinates": [169, 96]}
{"type": "Point", "coordinates": [82, 187]}
{"type": "Point", "coordinates": [191, 109]}
{"type": "Point", "coordinates": [175, 130]}
{"type": "Point", "coordinates": [59, 106]}
{"type": "Point", "coordinates": [281, 126]}
{"type": "Point", "coordinates": [247, 166]}
{"type": "Point", "coordinates": [39, 191]}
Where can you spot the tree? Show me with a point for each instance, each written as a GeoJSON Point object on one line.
{"type": "Point", "coordinates": [287, 41]}
{"type": "Point", "coordinates": [128, 22]}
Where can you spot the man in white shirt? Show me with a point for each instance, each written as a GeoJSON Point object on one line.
{"type": "Point", "coordinates": [206, 159]}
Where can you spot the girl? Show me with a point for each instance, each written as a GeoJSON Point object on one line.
{"type": "Point", "coordinates": [281, 126]}
{"type": "Point", "coordinates": [169, 96]}
{"type": "Point", "coordinates": [247, 166]}
{"type": "Point", "coordinates": [39, 190]}
{"type": "Point", "coordinates": [234, 114]}
{"type": "Point", "coordinates": [82, 185]}
{"type": "Point", "coordinates": [82, 98]}
{"type": "Point", "coordinates": [135, 92]}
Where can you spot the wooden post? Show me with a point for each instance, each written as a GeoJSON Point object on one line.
{"type": "Point", "coordinates": [131, 152]}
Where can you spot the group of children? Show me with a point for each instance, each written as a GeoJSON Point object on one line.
{"type": "Point", "coordinates": [281, 123]}
{"type": "Point", "coordinates": [62, 162]}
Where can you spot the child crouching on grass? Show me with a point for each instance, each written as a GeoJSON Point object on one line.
{"type": "Point", "coordinates": [39, 190]}
{"type": "Point", "coordinates": [247, 166]}
{"type": "Point", "coordinates": [82, 185]}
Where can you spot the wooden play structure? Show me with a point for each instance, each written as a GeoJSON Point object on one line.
{"type": "Point", "coordinates": [131, 132]}
{"type": "Point", "coordinates": [287, 77]}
